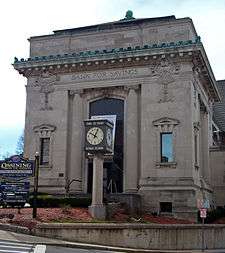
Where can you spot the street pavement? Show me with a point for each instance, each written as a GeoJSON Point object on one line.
{"type": "Point", "coordinates": [46, 245]}
{"type": "Point", "coordinates": [55, 249]}
{"type": "Point", "coordinates": [16, 247]}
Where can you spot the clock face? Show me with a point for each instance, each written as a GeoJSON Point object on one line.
{"type": "Point", "coordinates": [95, 135]}
{"type": "Point", "coordinates": [109, 137]}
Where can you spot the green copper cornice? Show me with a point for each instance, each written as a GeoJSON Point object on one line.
{"type": "Point", "coordinates": [102, 53]}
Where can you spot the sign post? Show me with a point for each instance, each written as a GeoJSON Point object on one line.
{"type": "Point", "coordinates": [203, 205]}
{"type": "Point", "coordinates": [36, 185]}
{"type": "Point", "coordinates": [203, 214]}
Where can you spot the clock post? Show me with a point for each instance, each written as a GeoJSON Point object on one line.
{"type": "Point", "coordinates": [98, 142]}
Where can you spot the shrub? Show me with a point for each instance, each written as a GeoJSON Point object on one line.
{"type": "Point", "coordinates": [52, 201]}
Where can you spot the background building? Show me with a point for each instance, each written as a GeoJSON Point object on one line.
{"type": "Point", "coordinates": [154, 75]}
{"type": "Point", "coordinates": [217, 151]}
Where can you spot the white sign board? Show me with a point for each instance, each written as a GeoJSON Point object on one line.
{"type": "Point", "coordinates": [203, 213]}
{"type": "Point", "coordinates": [111, 118]}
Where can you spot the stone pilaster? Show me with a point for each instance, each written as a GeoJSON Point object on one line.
{"type": "Point", "coordinates": [131, 150]}
{"type": "Point", "coordinates": [75, 173]}
{"type": "Point", "coordinates": [205, 145]}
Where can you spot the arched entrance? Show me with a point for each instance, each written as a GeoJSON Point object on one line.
{"type": "Point", "coordinates": [113, 173]}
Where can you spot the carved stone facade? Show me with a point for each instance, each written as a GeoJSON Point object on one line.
{"type": "Point", "coordinates": [157, 71]}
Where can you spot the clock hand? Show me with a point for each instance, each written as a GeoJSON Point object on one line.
{"type": "Point", "coordinates": [95, 135]}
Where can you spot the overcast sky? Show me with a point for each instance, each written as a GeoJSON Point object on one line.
{"type": "Point", "coordinates": [22, 19]}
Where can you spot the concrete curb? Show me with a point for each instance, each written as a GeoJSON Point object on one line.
{"type": "Point", "coordinates": [37, 239]}
{"type": "Point", "coordinates": [15, 228]}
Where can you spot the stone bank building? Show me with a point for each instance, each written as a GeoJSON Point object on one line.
{"type": "Point", "coordinates": [154, 75]}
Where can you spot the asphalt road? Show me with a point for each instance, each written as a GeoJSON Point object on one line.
{"type": "Point", "coordinates": [53, 249]}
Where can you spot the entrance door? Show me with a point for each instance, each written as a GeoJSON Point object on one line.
{"type": "Point", "coordinates": [113, 173]}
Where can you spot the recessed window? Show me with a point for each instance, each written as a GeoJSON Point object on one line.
{"type": "Point", "coordinates": [166, 147]}
{"type": "Point", "coordinates": [196, 148]}
{"type": "Point", "coordinates": [44, 154]}
{"type": "Point", "coordinates": [166, 207]}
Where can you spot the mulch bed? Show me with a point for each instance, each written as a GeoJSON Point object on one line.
{"type": "Point", "coordinates": [67, 214]}
{"type": "Point", "coordinates": [44, 215]}
{"type": "Point", "coordinates": [165, 220]}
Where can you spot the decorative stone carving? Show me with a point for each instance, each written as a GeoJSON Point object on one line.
{"type": "Point", "coordinates": [165, 67]}
{"type": "Point", "coordinates": [166, 121]}
{"type": "Point", "coordinates": [118, 91]}
{"type": "Point", "coordinates": [74, 92]}
{"type": "Point", "coordinates": [165, 71]}
{"type": "Point", "coordinates": [165, 94]}
{"type": "Point", "coordinates": [46, 78]}
{"type": "Point", "coordinates": [46, 83]}
{"type": "Point", "coordinates": [131, 87]}
{"type": "Point", "coordinates": [44, 130]}
{"type": "Point", "coordinates": [46, 90]}
{"type": "Point", "coordinates": [196, 126]}
{"type": "Point", "coordinates": [166, 124]}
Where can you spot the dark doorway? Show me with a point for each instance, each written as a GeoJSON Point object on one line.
{"type": "Point", "coordinates": [113, 169]}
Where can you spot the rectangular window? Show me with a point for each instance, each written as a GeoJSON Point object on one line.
{"type": "Point", "coordinates": [196, 149]}
{"type": "Point", "coordinates": [166, 207]}
{"type": "Point", "coordinates": [44, 154]}
{"type": "Point", "coordinates": [166, 147]}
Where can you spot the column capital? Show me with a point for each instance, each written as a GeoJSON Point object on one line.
{"type": "Point", "coordinates": [76, 92]}
{"type": "Point", "coordinates": [134, 87]}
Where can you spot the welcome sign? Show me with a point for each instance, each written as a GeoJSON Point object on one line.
{"type": "Point", "coordinates": [16, 166]}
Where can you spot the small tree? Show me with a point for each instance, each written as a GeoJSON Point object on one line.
{"type": "Point", "coordinates": [20, 145]}
{"type": "Point", "coordinates": [6, 155]}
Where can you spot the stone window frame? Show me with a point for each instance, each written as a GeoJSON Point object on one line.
{"type": "Point", "coordinates": [165, 125]}
{"type": "Point", "coordinates": [45, 131]}
{"type": "Point", "coordinates": [117, 92]}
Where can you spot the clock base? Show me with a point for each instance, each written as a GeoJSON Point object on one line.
{"type": "Point", "coordinates": [98, 211]}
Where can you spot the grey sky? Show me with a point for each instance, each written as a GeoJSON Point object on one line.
{"type": "Point", "coordinates": [21, 19]}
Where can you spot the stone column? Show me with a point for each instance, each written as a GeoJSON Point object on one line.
{"type": "Point", "coordinates": [132, 137]}
{"type": "Point", "coordinates": [76, 159]}
{"type": "Point", "coordinates": [97, 209]}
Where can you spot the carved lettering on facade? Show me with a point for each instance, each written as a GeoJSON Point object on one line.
{"type": "Point", "coordinates": [105, 75]}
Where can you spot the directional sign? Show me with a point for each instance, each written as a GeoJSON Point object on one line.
{"type": "Point", "coordinates": [16, 166]}
{"type": "Point", "coordinates": [14, 193]}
